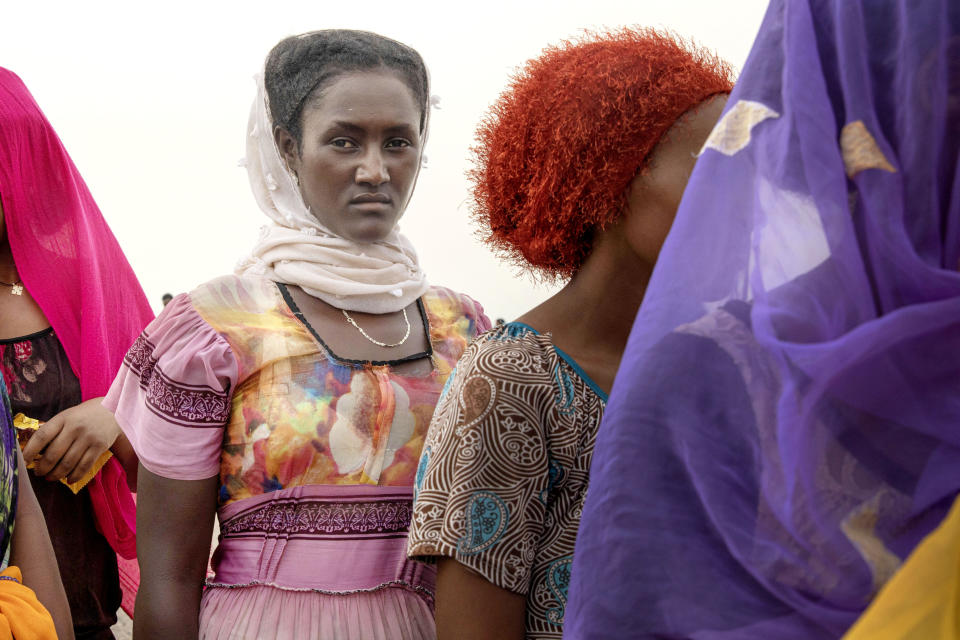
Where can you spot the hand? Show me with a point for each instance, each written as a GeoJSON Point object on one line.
{"type": "Point", "coordinates": [70, 442]}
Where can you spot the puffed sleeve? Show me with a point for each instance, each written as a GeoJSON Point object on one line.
{"type": "Point", "coordinates": [482, 323]}
{"type": "Point", "coordinates": [483, 473]}
{"type": "Point", "coordinates": [172, 395]}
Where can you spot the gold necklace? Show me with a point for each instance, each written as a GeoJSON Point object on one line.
{"type": "Point", "coordinates": [16, 288]}
{"type": "Point", "coordinates": [377, 342]}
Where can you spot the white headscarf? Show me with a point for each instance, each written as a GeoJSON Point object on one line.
{"type": "Point", "coordinates": [379, 277]}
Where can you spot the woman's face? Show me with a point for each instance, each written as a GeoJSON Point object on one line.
{"type": "Point", "coordinates": [360, 154]}
{"type": "Point", "coordinates": [654, 196]}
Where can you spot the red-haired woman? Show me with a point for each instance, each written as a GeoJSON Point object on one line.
{"type": "Point", "coordinates": [580, 168]}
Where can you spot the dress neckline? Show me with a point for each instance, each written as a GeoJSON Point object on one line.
{"type": "Point", "coordinates": [295, 310]}
{"type": "Point", "coordinates": [577, 369]}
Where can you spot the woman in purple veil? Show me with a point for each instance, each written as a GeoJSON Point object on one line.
{"type": "Point", "coordinates": [783, 429]}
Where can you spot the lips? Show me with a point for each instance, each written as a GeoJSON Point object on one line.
{"type": "Point", "coordinates": [365, 198]}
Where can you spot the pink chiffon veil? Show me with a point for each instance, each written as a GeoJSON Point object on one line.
{"type": "Point", "coordinates": [74, 268]}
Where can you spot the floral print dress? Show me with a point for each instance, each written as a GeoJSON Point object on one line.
{"type": "Point", "coordinates": [316, 456]}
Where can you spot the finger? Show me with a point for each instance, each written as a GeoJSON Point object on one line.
{"type": "Point", "coordinates": [68, 462]}
{"type": "Point", "coordinates": [83, 467]}
{"type": "Point", "coordinates": [51, 454]}
{"type": "Point", "coordinates": [42, 437]}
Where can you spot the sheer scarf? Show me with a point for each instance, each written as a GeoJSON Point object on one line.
{"type": "Point", "coordinates": [782, 431]}
{"type": "Point", "coordinates": [74, 268]}
{"type": "Point", "coordinates": [380, 277]}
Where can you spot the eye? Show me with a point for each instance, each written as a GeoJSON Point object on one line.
{"type": "Point", "coordinates": [398, 143]}
{"type": "Point", "coordinates": [344, 143]}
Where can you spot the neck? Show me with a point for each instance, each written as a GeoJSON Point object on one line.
{"type": "Point", "coordinates": [595, 311]}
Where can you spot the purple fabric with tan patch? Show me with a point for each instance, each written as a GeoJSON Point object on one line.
{"type": "Point", "coordinates": [783, 428]}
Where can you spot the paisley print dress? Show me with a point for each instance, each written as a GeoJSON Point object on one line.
{"type": "Point", "coordinates": [504, 469]}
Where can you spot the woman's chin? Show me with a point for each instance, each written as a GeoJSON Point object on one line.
{"type": "Point", "coordinates": [365, 229]}
{"type": "Point", "coordinates": [367, 234]}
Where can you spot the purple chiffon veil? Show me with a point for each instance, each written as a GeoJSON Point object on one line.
{"type": "Point", "coordinates": [785, 424]}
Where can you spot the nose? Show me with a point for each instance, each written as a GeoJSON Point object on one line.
{"type": "Point", "coordinates": [372, 169]}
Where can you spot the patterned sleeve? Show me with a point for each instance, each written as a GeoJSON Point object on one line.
{"type": "Point", "coordinates": [172, 394]}
{"type": "Point", "coordinates": [482, 323]}
{"type": "Point", "coordinates": [483, 475]}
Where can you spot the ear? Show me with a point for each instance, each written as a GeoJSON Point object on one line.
{"type": "Point", "coordinates": [288, 147]}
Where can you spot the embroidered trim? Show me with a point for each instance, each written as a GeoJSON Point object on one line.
{"type": "Point", "coordinates": [187, 405]}
{"type": "Point", "coordinates": [139, 357]}
{"type": "Point", "coordinates": [11, 578]}
{"type": "Point", "coordinates": [316, 518]}
{"type": "Point", "coordinates": [383, 585]}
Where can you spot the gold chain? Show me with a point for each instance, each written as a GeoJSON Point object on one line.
{"type": "Point", "coordinates": [377, 342]}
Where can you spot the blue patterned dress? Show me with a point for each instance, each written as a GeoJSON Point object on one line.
{"type": "Point", "coordinates": [505, 466]}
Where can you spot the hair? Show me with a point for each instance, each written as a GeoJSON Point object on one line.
{"type": "Point", "coordinates": [556, 152]}
{"type": "Point", "coordinates": [298, 68]}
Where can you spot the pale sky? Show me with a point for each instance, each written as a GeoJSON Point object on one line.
{"type": "Point", "coordinates": [151, 101]}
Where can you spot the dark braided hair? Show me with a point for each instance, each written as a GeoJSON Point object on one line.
{"type": "Point", "coordinates": [298, 68]}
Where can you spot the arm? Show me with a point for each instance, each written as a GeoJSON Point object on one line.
{"type": "Point", "coordinates": [127, 457]}
{"type": "Point", "coordinates": [471, 608]}
{"type": "Point", "coordinates": [71, 442]}
{"type": "Point", "coordinates": [32, 553]}
{"type": "Point", "coordinates": [175, 526]}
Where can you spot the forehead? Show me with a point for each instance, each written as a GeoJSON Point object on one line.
{"type": "Point", "coordinates": [367, 97]}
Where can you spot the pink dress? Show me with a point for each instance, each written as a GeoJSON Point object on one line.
{"type": "Point", "coordinates": [316, 455]}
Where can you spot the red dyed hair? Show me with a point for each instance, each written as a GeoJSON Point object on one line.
{"type": "Point", "coordinates": [557, 151]}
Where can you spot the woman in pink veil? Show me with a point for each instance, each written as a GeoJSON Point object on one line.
{"type": "Point", "coordinates": [71, 305]}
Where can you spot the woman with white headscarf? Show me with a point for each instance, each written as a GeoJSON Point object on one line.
{"type": "Point", "coordinates": [292, 398]}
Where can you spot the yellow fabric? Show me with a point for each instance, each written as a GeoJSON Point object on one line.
{"type": "Point", "coordinates": [921, 601]}
{"type": "Point", "coordinates": [22, 617]}
{"type": "Point", "coordinates": [25, 426]}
